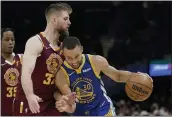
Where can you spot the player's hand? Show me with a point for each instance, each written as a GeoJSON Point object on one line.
{"type": "Point", "coordinates": [70, 98]}
{"type": "Point", "coordinates": [63, 106]}
{"type": "Point", "coordinates": [33, 101]}
{"type": "Point", "coordinates": [145, 74]}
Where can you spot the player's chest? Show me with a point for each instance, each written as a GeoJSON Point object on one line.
{"type": "Point", "coordinates": [79, 79]}
{"type": "Point", "coordinates": [11, 74]}
{"type": "Point", "coordinates": [84, 85]}
{"type": "Point", "coordinates": [51, 59]}
{"type": "Point", "coordinates": [11, 67]}
{"type": "Point", "coordinates": [86, 72]}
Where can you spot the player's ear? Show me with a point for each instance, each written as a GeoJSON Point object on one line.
{"type": "Point", "coordinates": [53, 19]}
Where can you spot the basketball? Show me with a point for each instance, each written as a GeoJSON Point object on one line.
{"type": "Point", "coordinates": [139, 87]}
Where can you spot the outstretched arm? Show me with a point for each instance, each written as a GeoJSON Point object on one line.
{"type": "Point", "coordinates": [114, 74]}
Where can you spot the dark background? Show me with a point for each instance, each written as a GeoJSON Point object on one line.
{"type": "Point", "coordinates": [128, 34]}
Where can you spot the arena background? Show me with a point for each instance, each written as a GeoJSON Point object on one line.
{"type": "Point", "coordinates": [134, 36]}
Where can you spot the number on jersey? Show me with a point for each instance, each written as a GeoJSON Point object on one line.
{"type": "Point", "coordinates": [49, 80]}
{"type": "Point", "coordinates": [11, 91]}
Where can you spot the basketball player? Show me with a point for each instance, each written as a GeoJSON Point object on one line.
{"type": "Point", "coordinates": [41, 61]}
{"type": "Point", "coordinates": [10, 71]}
{"type": "Point", "coordinates": [81, 72]}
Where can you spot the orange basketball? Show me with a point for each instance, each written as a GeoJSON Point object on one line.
{"type": "Point", "coordinates": [139, 87]}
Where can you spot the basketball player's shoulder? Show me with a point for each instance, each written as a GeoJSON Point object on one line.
{"type": "Point", "coordinates": [34, 40]}
{"type": "Point", "coordinates": [20, 57]}
{"type": "Point", "coordinates": [99, 60]}
{"type": "Point", "coordinates": [34, 43]}
{"type": "Point", "coordinates": [61, 73]}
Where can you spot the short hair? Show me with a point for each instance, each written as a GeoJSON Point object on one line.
{"type": "Point", "coordinates": [5, 30]}
{"type": "Point", "coordinates": [70, 43]}
{"type": "Point", "coordinates": [58, 7]}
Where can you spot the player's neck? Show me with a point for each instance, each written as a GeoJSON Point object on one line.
{"type": "Point", "coordinates": [8, 56]}
{"type": "Point", "coordinates": [51, 35]}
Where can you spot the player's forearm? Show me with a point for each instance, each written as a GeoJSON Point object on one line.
{"type": "Point", "coordinates": [117, 75]}
{"type": "Point", "coordinates": [123, 76]}
{"type": "Point", "coordinates": [57, 96]}
{"type": "Point", "coordinates": [26, 81]}
{"type": "Point", "coordinates": [27, 69]}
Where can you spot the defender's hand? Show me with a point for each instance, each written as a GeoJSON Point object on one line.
{"type": "Point", "coordinates": [33, 102]}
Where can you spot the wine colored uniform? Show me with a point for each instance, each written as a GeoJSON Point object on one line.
{"type": "Point", "coordinates": [10, 74]}
{"type": "Point", "coordinates": [47, 64]}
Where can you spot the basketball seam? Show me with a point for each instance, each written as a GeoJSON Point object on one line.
{"type": "Point", "coordinates": [141, 84]}
{"type": "Point", "coordinates": [134, 92]}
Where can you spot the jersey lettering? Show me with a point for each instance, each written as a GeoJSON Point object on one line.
{"type": "Point", "coordinates": [49, 80]}
{"type": "Point", "coordinates": [11, 91]}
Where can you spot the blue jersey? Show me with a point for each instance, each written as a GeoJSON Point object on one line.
{"type": "Point", "coordinates": [89, 88]}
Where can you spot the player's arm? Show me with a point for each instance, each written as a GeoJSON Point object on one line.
{"type": "Point", "coordinates": [63, 86]}
{"type": "Point", "coordinates": [32, 49]}
{"type": "Point", "coordinates": [57, 96]}
{"type": "Point", "coordinates": [71, 97]}
{"type": "Point", "coordinates": [114, 74]}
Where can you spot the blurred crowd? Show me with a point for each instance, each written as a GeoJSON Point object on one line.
{"type": "Point", "coordinates": [127, 108]}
